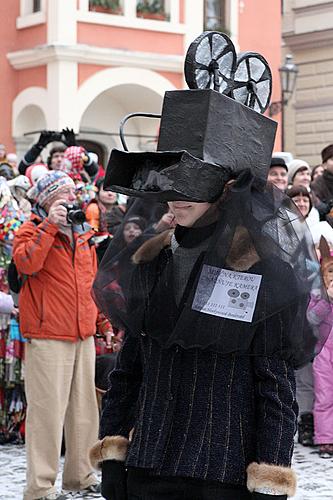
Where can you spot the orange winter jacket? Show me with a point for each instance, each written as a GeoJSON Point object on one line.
{"type": "Point", "coordinates": [55, 300]}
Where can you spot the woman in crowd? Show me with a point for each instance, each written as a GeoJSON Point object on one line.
{"type": "Point", "coordinates": [299, 173]}
{"type": "Point", "coordinates": [317, 171]}
{"type": "Point", "coordinates": [303, 200]}
{"type": "Point", "coordinates": [104, 213]}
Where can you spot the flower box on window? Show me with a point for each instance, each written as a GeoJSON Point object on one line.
{"type": "Point", "coordinates": [106, 6]}
{"type": "Point", "coordinates": [152, 9]}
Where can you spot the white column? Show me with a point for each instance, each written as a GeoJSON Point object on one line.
{"type": "Point", "coordinates": [61, 22]}
{"type": "Point", "coordinates": [62, 79]}
{"type": "Point", "coordinates": [62, 76]}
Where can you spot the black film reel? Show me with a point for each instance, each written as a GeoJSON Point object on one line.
{"type": "Point", "coordinates": [211, 62]}
{"type": "Point", "coordinates": [252, 81]}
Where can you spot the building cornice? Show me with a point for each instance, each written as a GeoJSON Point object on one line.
{"type": "Point", "coordinates": [87, 54]}
{"type": "Point", "coordinates": [315, 8]}
{"type": "Point", "coordinates": [310, 40]}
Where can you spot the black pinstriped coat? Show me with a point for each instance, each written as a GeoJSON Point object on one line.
{"type": "Point", "coordinates": [198, 413]}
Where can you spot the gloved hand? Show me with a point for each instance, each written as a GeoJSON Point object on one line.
{"type": "Point", "coordinates": [45, 138]}
{"type": "Point", "coordinates": [69, 136]}
{"type": "Point", "coordinates": [114, 479]}
{"type": "Point", "coordinates": [262, 496]}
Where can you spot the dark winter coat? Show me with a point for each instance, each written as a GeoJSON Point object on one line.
{"type": "Point", "coordinates": [200, 414]}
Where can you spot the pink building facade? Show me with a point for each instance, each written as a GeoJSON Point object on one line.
{"type": "Point", "coordinates": [65, 65]}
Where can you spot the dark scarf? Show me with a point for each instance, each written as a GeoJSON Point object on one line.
{"type": "Point", "coordinates": [189, 237]}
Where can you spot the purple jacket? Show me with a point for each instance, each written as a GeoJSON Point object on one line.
{"type": "Point", "coordinates": [320, 314]}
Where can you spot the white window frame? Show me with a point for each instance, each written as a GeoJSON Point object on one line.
{"type": "Point", "coordinates": [29, 18]}
{"type": "Point", "coordinates": [129, 19]}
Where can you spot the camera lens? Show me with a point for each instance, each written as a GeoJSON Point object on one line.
{"type": "Point", "coordinates": [76, 216]}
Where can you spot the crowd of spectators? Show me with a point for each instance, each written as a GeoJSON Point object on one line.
{"type": "Point", "coordinates": [311, 191]}
{"type": "Point", "coordinates": [37, 196]}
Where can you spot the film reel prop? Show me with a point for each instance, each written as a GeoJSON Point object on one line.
{"type": "Point", "coordinates": [211, 63]}
{"type": "Point", "coordinates": [252, 81]}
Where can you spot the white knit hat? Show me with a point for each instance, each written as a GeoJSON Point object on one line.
{"type": "Point", "coordinates": [296, 165]}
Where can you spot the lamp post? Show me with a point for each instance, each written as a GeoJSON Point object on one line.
{"type": "Point", "coordinates": [288, 74]}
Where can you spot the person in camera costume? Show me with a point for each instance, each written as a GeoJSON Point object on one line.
{"type": "Point", "coordinates": [201, 404]}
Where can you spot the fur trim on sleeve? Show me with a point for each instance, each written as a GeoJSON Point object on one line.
{"type": "Point", "coordinates": [276, 477]}
{"type": "Point", "coordinates": [108, 448]}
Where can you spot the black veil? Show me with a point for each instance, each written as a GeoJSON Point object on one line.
{"type": "Point", "coordinates": [254, 247]}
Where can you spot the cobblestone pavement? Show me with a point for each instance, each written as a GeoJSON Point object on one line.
{"type": "Point", "coordinates": [315, 474]}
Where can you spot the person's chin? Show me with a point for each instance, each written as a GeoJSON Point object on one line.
{"type": "Point", "coordinates": [185, 222]}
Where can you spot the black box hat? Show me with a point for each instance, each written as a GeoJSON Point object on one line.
{"type": "Point", "coordinates": [205, 139]}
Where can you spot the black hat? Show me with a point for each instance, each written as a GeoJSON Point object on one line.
{"type": "Point", "coordinates": [136, 219]}
{"type": "Point", "coordinates": [277, 161]}
{"type": "Point", "coordinates": [206, 137]}
{"type": "Point", "coordinates": [327, 153]}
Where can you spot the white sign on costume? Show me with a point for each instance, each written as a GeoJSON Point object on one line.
{"type": "Point", "coordinates": [226, 293]}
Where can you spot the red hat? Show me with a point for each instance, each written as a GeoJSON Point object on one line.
{"type": "Point", "coordinates": [35, 171]}
{"type": "Point", "coordinates": [77, 156]}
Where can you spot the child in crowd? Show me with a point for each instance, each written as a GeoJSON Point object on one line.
{"type": "Point", "coordinates": [320, 313]}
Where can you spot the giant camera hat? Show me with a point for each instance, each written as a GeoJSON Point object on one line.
{"type": "Point", "coordinates": [208, 134]}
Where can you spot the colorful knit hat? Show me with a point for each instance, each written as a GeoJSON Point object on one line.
{"type": "Point", "coordinates": [49, 186]}
{"type": "Point", "coordinates": [77, 156]}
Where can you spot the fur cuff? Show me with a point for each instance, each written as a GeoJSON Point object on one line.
{"type": "Point", "coordinates": [276, 477]}
{"type": "Point", "coordinates": [109, 448]}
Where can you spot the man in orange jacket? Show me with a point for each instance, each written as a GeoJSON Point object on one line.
{"type": "Point", "coordinates": [58, 317]}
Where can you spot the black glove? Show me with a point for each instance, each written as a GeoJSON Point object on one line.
{"type": "Point", "coordinates": [45, 138]}
{"type": "Point", "coordinates": [262, 496]}
{"type": "Point", "coordinates": [69, 137]}
{"type": "Point", "coordinates": [114, 480]}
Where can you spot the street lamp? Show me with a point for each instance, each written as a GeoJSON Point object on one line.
{"type": "Point", "coordinates": [288, 73]}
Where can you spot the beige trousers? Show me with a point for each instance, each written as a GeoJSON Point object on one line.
{"type": "Point", "coordinates": [60, 390]}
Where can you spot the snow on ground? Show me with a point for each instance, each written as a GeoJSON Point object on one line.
{"type": "Point", "coordinates": [12, 473]}
{"type": "Point", "coordinates": [315, 474]}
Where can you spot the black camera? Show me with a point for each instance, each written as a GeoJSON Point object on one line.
{"type": "Point", "coordinates": [74, 214]}
{"type": "Point", "coordinates": [57, 136]}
